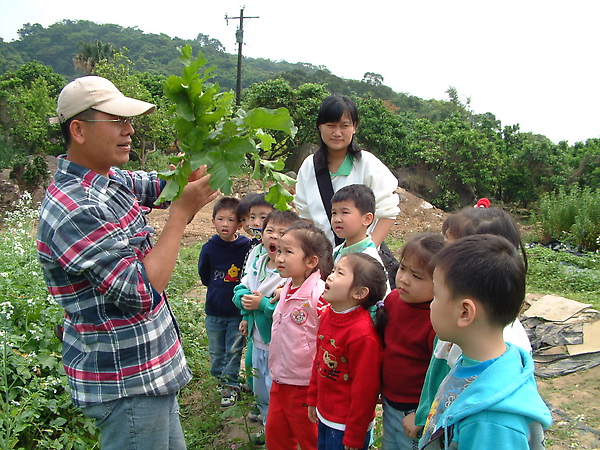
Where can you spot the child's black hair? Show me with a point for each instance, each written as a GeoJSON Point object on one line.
{"type": "Point", "coordinates": [249, 200]}
{"type": "Point", "coordinates": [243, 208]}
{"type": "Point", "coordinates": [331, 110]}
{"type": "Point", "coordinates": [314, 242]}
{"type": "Point", "coordinates": [496, 221]}
{"type": "Point", "coordinates": [369, 273]}
{"type": "Point", "coordinates": [280, 217]}
{"type": "Point", "coordinates": [228, 203]}
{"type": "Point", "coordinates": [421, 249]}
{"type": "Point", "coordinates": [458, 225]}
{"type": "Point", "coordinates": [486, 268]}
{"type": "Point", "coordinates": [361, 195]}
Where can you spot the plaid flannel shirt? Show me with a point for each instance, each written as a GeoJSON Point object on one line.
{"type": "Point", "coordinates": [120, 337]}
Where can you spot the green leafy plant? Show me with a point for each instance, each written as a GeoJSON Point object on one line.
{"type": "Point", "coordinates": [208, 132]}
{"type": "Point", "coordinates": [564, 273]}
{"type": "Point", "coordinates": [36, 409]}
{"type": "Point", "coordinates": [571, 215]}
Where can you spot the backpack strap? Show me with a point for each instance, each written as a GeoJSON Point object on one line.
{"type": "Point", "coordinates": [326, 190]}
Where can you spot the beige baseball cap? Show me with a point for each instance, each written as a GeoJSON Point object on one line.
{"type": "Point", "coordinates": [100, 94]}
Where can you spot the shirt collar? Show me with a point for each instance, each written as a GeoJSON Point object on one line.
{"type": "Point", "coordinates": [346, 167]}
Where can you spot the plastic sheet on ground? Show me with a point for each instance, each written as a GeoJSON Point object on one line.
{"type": "Point", "coordinates": [564, 335]}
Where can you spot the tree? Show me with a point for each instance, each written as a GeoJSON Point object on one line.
{"type": "Point", "coordinates": [91, 54]}
{"type": "Point", "coordinates": [374, 79]}
{"type": "Point", "coordinates": [27, 100]}
{"type": "Point", "coordinates": [381, 131]}
{"type": "Point", "coordinates": [302, 103]}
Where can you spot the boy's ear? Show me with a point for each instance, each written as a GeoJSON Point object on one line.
{"type": "Point", "coordinates": [468, 312]}
{"type": "Point", "coordinates": [368, 218]}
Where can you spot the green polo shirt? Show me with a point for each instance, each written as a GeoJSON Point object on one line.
{"type": "Point", "coordinates": [346, 167]}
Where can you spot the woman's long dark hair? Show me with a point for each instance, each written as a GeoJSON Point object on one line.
{"type": "Point", "coordinates": [332, 109]}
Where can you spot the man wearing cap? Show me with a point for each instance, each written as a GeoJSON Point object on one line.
{"type": "Point", "coordinates": [121, 346]}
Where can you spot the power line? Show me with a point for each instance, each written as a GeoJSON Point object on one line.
{"type": "Point", "coordinates": [239, 38]}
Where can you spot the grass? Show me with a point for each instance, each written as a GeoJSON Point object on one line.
{"type": "Point", "coordinates": [565, 274]}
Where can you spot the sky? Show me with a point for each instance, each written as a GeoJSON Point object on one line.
{"type": "Point", "coordinates": [529, 62]}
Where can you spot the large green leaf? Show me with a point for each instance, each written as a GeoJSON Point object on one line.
{"type": "Point", "coordinates": [209, 134]}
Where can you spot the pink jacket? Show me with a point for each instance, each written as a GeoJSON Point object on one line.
{"type": "Point", "coordinates": [294, 334]}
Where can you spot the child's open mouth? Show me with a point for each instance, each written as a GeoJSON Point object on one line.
{"type": "Point", "coordinates": [272, 248]}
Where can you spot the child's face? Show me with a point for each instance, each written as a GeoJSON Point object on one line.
{"type": "Point", "coordinates": [348, 222]}
{"type": "Point", "coordinates": [256, 217]}
{"type": "Point", "coordinates": [338, 287]}
{"type": "Point", "coordinates": [443, 309]}
{"type": "Point", "coordinates": [270, 237]}
{"type": "Point", "coordinates": [414, 284]}
{"type": "Point", "coordinates": [448, 237]}
{"type": "Point", "coordinates": [226, 224]}
{"type": "Point", "coordinates": [244, 222]}
{"type": "Point", "coordinates": [291, 260]}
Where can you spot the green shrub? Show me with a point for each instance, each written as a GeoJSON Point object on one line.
{"type": "Point", "coordinates": [29, 174]}
{"type": "Point", "coordinates": [570, 215]}
{"type": "Point", "coordinates": [34, 400]}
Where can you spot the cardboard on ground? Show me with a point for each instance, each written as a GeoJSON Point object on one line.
{"type": "Point", "coordinates": [591, 340]}
{"type": "Point", "coordinates": [554, 308]}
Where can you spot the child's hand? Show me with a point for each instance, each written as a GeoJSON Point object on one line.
{"type": "Point", "coordinates": [312, 414]}
{"type": "Point", "coordinates": [243, 327]}
{"type": "Point", "coordinates": [276, 295]}
{"type": "Point", "coordinates": [250, 302]}
{"type": "Point", "coordinates": [408, 423]}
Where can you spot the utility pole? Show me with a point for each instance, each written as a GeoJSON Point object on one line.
{"type": "Point", "coordinates": [239, 38]}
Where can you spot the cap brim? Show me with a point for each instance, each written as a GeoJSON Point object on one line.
{"type": "Point", "coordinates": [125, 107]}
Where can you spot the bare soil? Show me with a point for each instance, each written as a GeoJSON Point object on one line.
{"type": "Point", "coordinates": [574, 399]}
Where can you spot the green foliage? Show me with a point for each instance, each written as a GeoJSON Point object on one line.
{"type": "Point", "coordinates": [92, 53]}
{"type": "Point", "coordinates": [302, 103]}
{"type": "Point", "coordinates": [209, 133]}
{"type": "Point", "coordinates": [35, 403]}
{"type": "Point", "coordinates": [26, 102]}
{"type": "Point", "coordinates": [29, 174]}
{"type": "Point", "coordinates": [432, 141]}
{"type": "Point", "coordinates": [571, 215]}
{"type": "Point", "coordinates": [565, 274]}
{"type": "Point", "coordinates": [381, 131]}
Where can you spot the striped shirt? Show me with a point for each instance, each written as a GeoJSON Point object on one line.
{"type": "Point", "coordinates": [120, 337]}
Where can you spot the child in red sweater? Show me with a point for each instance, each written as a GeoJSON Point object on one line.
{"type": "Point", "coordinates": [408, 335]}
{"type": "Point", "coordinates": [345, 380]}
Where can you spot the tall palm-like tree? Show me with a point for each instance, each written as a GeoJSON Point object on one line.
{"type": "Point", "coordinates": [90, 54]}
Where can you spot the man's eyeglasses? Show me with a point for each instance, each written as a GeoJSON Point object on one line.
{"type": "Point", "coordinates": [120, 120]}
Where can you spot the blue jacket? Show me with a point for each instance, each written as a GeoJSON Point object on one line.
{"type": "Point", "coordinates": [499, 409]}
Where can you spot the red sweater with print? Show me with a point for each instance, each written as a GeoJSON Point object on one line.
{"type": "Point", "coordinates": [408, 347]}
{"type": "Point", "coordinates": [346, 373]}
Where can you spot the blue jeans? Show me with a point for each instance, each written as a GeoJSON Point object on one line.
{"type": "Point", "coordinates": [138, 423]}
{"type": "Point", "coordinates": [225, 346]}
{"type": "Point", "coordinates": [394, 436]}
{"type": "Point", "coordinates": [262, 380]}
{"type": "Point", "coordinates": [331, 439]}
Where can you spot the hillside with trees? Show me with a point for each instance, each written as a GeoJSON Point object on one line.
{"type": "Point", "coordinates": [439, 149]}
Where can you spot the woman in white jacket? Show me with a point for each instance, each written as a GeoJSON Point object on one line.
{"type": "Point", "coordinates": [347, 164]}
